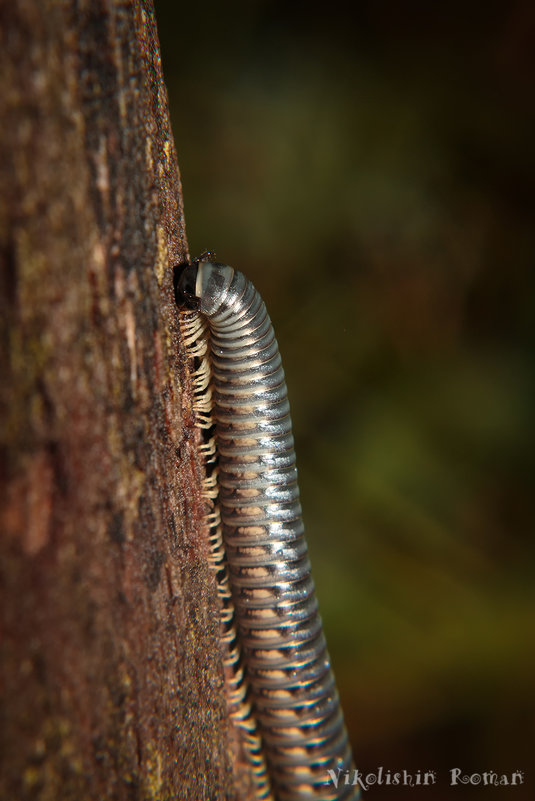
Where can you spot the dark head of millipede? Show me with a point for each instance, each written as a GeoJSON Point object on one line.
{"type": "Point", "coordinates": [184, 280]}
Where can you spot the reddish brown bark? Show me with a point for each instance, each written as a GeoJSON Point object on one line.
{"type": "Point", "coordinates": [111, 677]}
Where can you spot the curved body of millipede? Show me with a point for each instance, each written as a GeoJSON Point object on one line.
{"type": "Point", "coordinates": [294, 697]}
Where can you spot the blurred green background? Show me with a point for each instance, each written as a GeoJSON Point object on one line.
{"type": "Point", "coordinates": [373, 173]}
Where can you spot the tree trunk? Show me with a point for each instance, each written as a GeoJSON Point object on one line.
{"type": "Point", "coordinates": [111, 677]}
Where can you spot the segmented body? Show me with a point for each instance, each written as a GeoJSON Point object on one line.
{"type": "Point", "coordinates": [287, 665]}
{"type": "Point", "coordinates": [196, 341]}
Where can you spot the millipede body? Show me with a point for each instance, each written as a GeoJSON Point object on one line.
{"type": "Point", "coordinates": [265, 562]}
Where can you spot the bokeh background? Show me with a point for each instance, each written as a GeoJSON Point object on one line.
{"type": "Point", "coordinates": [373, 172]}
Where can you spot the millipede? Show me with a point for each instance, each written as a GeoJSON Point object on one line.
{"type": "Point", "coordinates": [282, 692]}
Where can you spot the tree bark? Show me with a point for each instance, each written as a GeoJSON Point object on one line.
{"type": "Point", "coordinates": [112, 680]}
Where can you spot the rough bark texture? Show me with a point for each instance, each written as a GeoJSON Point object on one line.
{"type": "Point", "coordinates": [112, 682]}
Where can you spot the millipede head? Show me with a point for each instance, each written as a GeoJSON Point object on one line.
{"type": "Point", "coordinates": [185, 279]}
